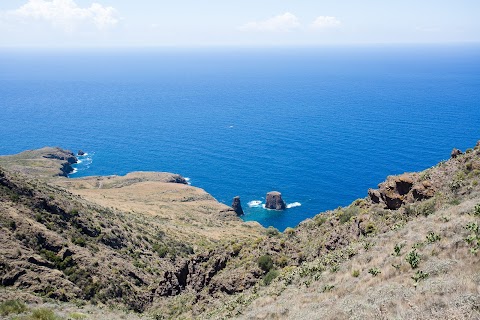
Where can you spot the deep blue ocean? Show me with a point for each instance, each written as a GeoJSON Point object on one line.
{"type": "Point", "coordinates": [320, 125]}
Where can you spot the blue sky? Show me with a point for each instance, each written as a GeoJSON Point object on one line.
{"type": "Point", "coordinates": [129, 23]}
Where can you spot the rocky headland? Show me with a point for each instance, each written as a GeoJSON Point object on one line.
{"type": "Point", "coordinates": [148, 242]}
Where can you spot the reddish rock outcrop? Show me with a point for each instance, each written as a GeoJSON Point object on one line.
{"type": "Point", "coordinates": [398, 190]}
{"type": "Point", "coordinates": [274, 201]}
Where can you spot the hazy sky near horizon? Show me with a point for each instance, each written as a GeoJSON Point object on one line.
{"type": "Point", "coordinates": [127, 23]}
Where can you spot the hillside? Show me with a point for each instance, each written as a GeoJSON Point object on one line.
{"type": "Point", "coordinates": [149, 243]}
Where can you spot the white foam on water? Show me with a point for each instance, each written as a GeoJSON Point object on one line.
{"type": "Point", "coordinates": [188, 181]}
{"type": "Point", "coordinates": [254, 203]}
{"type": "Point", "coordinates": [75, 170]}
{"type": "Point", "coordinates": [293, 205]}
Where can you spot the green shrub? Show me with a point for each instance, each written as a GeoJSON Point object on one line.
{"type": "Point", "coordinates": [12, 306]}
{"type": "Point", "coordinates": [370, 228]}
{"type": "Point", "coordinates": [79, 241]}
{"type": "Point", "coordinates": [272, 274]}
{"type": "Point", "coordinates": [454, 202]}
{"type": "Point", "coordinates": [265, 263]}
{"type": "Point", "coordinates": [345, 215]}
{"type": "Point", "coordinates": [77, 316]}
{"type": "Point", "coordinates": [419, 275]}
{"type": "Point", "coordinates": [374, 271]}
{"type": "Point", "coordinates": [424, 208]}
{"type": "Point", "coordinates": [161, 249]}
{"type": "Point", "coordinates": [473, 238]}
{"type": "Point", "coordinates": [396, 250]}
{"type": "Point", "coordinates": [476, 211]}
{"type": "Point", "coordinates": [282, 261]}
{"type": "Point", "coordinates": [355, 273]}
{"type": "Point", "coordinates": [413, 258]}
{"type": "Point", "coordinates": [469, 166]}
{"type": "Point", "coordinates": [12, 225]}
{"type": "Point", "coordinates": [272, 232]}
{"type": "Point", "coordinates": [43, 314]}
{"type": "Point", "coordinates": [328, 288]}
{"type": "Point", "coordinates": [320, 219]}
{"type": "Point", "coordinates": [433, 237]}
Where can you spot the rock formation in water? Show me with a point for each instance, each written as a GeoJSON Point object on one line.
{"type": "Point", "coordinates": [80, 153]}
{"type": "Point", "coordinates": [237, 206]}
{"type": "Point", "coordinates": [274, 201]}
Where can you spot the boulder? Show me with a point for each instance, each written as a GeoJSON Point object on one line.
{"type": "Point", "coordinates": [274, 201]}
{"type": "Point", "coordinates": [398, 190]}
{"type": "Point", "coordinates": [423, 191]}
{"type": "Point", "coordinates": [455, 153]}
{"type": "Point", "coordinates": [237, 206]}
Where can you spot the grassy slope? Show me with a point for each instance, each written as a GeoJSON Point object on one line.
{"type": "Point", "coordinates": [337, 283]}
{"type": "Point", "coordinates": [323, 264]}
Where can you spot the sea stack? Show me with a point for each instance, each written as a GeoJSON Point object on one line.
{"type": "Point", "coordinates": [80, 153]}
{"type": "Point", "coordinates": [274, 201]}
{"type": "Point", "coordinates": [237, 206]}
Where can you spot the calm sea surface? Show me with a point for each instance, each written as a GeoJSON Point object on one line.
{"type": "Point", "coordinates": [319, 125]}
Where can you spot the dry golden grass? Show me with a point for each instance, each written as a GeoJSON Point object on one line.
{"type": "Point", "coordinates": [451, 291]}
{"type": "Point", "coordinates": [187, 213]}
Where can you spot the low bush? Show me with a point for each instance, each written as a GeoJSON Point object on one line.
{"type": "Point", "coordinates": [272, 274]}
{"type": "Point", "coordinates": [12, 307]}
{"type": "Point", "coordinates": [473, 238]}
{"type": "Point", "coordinates": [265, 263]}
{"type": "Point", "coordinates": [419, 275]}
{"type": "Point", "coordinates": [413, 258]}
{"type": "Point", "coordinates": [396, 250]}
{"type": "Point", "coordinates": [374, 271]}
{"type": "Point", "coordinates": [433, 237]}
{"type": "Point", "coordinates": [43, 314]}
{"type": "Point", "coordinates": [272, 232]}
{"type": "Point", "coordinates": [345, 215]}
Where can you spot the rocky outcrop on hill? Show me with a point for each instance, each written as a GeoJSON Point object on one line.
{"type": "Point", "coordinates": [274, 201]}
{"type": "Point", "coordinates": [398, 190]}
{"type": "Point", "coordinates": [237, 206]}
{"type": "Point", "coordinates": [455, 153]}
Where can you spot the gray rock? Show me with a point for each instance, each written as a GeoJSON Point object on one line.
{"type": "Point", "coordinates": [274, 201]}
{"type": "Point", "coordinates": [237, 206]}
